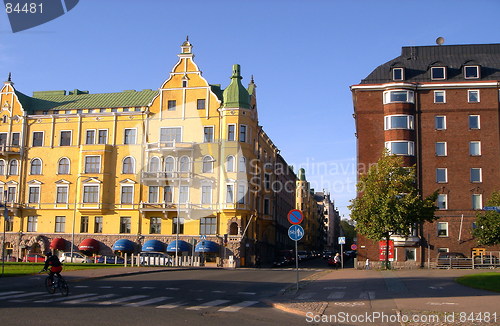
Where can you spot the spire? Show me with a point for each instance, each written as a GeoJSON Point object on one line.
{"type": "Point", "coordinates": [186, 48]}
{"type": "Point", "coordinates": [235, 95]}
{"type": "Point", "coordinates": [251, 86]}
{"type": "Point", "coordinates": [10, 77]}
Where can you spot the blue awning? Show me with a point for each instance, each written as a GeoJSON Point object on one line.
{"type": "Point", "coordinates": [153, 245]}
{"type": "Point", "coordinates": [183, 246]}
{"type": "Point", "coordinates": [124, 245]}
{"type": "Point", "coordinates": [207, 246]}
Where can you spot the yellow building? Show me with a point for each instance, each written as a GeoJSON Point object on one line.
{"type": "Point", "coordinates": [186, 162]}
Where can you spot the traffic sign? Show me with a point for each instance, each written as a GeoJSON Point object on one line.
{"type": "Point", "coordinates": [341, 240]}
{"type": "Point", "coordinates": [354, 247]}
{"type": "Point", "coordinates": [295, 232]}
{"type": "Point", "coordinates": [295, 216]}
{"type": "Point", "coordinates": [492, 208]}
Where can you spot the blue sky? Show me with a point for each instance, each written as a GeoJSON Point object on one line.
{"type": "Point", "coordinates": [304, 55]}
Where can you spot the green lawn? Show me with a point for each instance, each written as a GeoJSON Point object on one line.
{"type": "Point", "coordinates": [18, 269]}
{"type": "Point", "coordinates": [487, 281]}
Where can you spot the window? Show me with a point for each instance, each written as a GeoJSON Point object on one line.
{"type": "Point", "coordinates": [208, 134]}
{"type": "Point", "coordinates": [36, 167]}
{"type": "Point", "coordinates": [398, 122]}
{"type": "Point", "coordinates": [475, 148]}
{"type": "Point", "coordinates": [473, 96]}
{"type": "Point", "coordinates": [32, 223]}
{"type": "Point", "coordinates": [63, 166]}
{"type": "Point", "coordinates": [129, 136]}
{"type": "Point", "coordinates": [60, 224]}
{"type": "Point", "coordinates": [84, 224]}
{"type": "Point", "coordinates": [438, 73]}
{"type": "Point", "coordinates": [171, 104]}
{"type": "Point", "coordinates": [243, 133]}
{"type": "Point", "coordinates": [410, 254]}
{"type": "Point", "coordinates": [443, 249]}
{"type": "Point", "coordinates": [168, 194]}
{"type": "Point", "coordinates": [155, 225]}
{"type": "Point", "coordinates": [98, 224]}
{"type": "Point", "coordinates": [440, 122]}
{"type": "Point", "coordinates": [267, 181]}
{"type": "Point", "coordinates": [397, 73]}
{"type": "Point", "coordinates": [114, 110]}
{"type": "Point", "coordinates": [90, 137]}
{"type": "Point", "coordinates": [3, 138]}
{"type": "Point", "coordinates": [34, 195]}
{"type": "Point", "coordinates": [441, 175]}
{"type": "Point", "coordinates": [399, 96]}
{"type": "Point", "coordinates": [128, 165]}
{"type": "Point", "coordinates": [91, 194]}
{"type": "Point", "coordinates": [476, 175]}
{"type": "Point", "coordinates": [171, 134]}
{"type": "Point", "coordinates": [208, 165]}
{"type": "Point", "coordinates": [15, 139]}
{"type": "Point", "coordinates": [442, 229]}
{"type": "Point", "coordinates": [65, 138]}
{"type": "Point", "coordinates": [242, 190]}
{"type": "Point", "coordinates": [178, 225]}
{"type": "Point", "coordinates": [37, 138]}
{"type": "Point", "coordinates": [184, 194]}
{"type": "Point", "coordinates": [184, 83]}
{"type": "Point", "coordinates": [439, 97]}
{"type": "Point", "coordinates": [471, 72]}
{"type": "Point", "coordinates": [441, 149]}
{"type": "Point", "coordinates": [242, 164]}
{"type": "Point", "coordinates": [79, 111]}
{"type": "Point", "coordinates": [103, 137]}
{"type": "Point", "coordinates": [92, 164]}
{"type": "Point", "coordinates": [126, 109]}
{"type": "Point", "coordinates": [206, 194]}
{"type": "Point", "coordinates": [11, 194]}
{"type": "Point", "coordinates": [230, 163]}
{"type": "Point", "coordinates": [62, 194]}
{"type": "Point", "coordinates": [184, 165]}
{"type": "Point", "coordinates": [102, 110]}
{"type": "Point", "coordinates": [153, 194]}
{"type": "Point", "coordinates": [477, 201]}
{"type": "Point", "coordinates": [229, 194]}
{"type": "Point", "coordinates": [125, 224]}
{"type": "Point", "coordinates": [200, 104]}
{"type": "Point", "coordinates": [2, 167]}
{"type": "Point", "coordinates": [474, 122]}
{"type": "Point", "coordinates": [127, 196]}
{"type": "Point", "coordinates": [208, 225]}
{"type": "Point", "coordinates": [400, 147]}
{"type": "Point", "coordinates": [169, 164]}
{"type": "Point", "coordinates": [231, 136]}
{"type": "Point", "coordinates": [442, 201]}
{"type": "Point", "coordinates": [267, 208]}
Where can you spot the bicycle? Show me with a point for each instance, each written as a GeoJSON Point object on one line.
{"type": "Point", "coordinates": [57, 283]}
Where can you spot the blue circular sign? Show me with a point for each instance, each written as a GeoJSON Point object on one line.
{"type": "Point", "coordinates": [295, 232]}
{"type": "Point", "coordinates": [295, 216]}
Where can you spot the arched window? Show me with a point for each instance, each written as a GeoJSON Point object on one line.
{"type": "Point", "coordinates": [230, 163]}
{"type": "Point", "coordinates": [208, 164]}
{"type": "Point", "coordinates": [184, 164]}
{"type": "Point", "coordinates": [2, 167]}
{"type": "Point", "coordinates": [13, 167]}
{"type": "Point", "coordinates": [128, 165]}
{"type": "Point", "coordinates": [36, 166]}
{"type": "Point", "coordinates": [154, 164]}
{"type": "Point", "coordinates": [242, 164]}
{"type": "Point", "coordinates": [63, 167]}
{"type": "Point", "coordinates": [169, 164]}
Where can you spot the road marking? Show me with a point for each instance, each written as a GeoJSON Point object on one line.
{"type": "Point", "coordinates": [148, 287]}
{"type": "Point", "coordinates": [207, 305]}
{"type": "Point", "coordinates": [23, 295]}
{"type": "Point", "coordinates": [171, 305]}
{"type": "Point", "coordinates": [247, 293]}
{"type": "Point", "coordinates": [218, 291]}
{"type": "Point", "coordinates": [26, 300]}
{"type": "Point", "coordinates": [367, 295]}
{"type": "Point", "coordinates": [335, 288]}
{"type": "Point", "coordinates": [145, 302]}
{"type": "Point", "coordinates": [173, 289]}
{"type": "Point", "coordinates": [3, 294]}
{"type": "Point", "coordinates": [349, 304]}
{"type": "Point", "coordinates": [305, 296]}
{"type": "Point", "coordinates": [336, 295]}
{"type": "Point", "coordinates": [81, 286]}
{"type": "Point", "coordinates": [105, 296]}
{"type": "Point", "coordinates": [126, 287]}
{"type": "Point", "coordinates": [436, 287]}
{"type": "Point", "coordinates": [196, 291]}
{"type": "Point", "coordinates": [67, 298]}
{"type": "Point", "coordinates": [105, 287]}
{"type": "Point", "coordinates": [238, 306]}
{"type": "Point", "coordinates": [441, 303]}
{"type": "Point", "coordinates": [133, 297]}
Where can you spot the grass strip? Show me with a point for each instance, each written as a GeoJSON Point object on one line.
{"type": "Point", "coordinates": [486, 281]}
{"type": "Point", "coordinates": [19, 269]}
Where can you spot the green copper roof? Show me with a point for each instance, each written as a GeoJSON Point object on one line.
{"type": "Point", "coordinates": [302, 174]}
{"type": "Point", "coordinates": [57, 100]}
{"type": "Point", "coordinates": [235, 95]}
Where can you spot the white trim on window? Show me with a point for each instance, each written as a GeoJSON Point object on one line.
{"type": "Point", "coordinates": [435, 69]}
{"type": "Point", "coordinates": [442, 229]}
{"type": "Point", "coordinates": [475, 74]}
{"type": "Point", "coordinates": [440, 96]}
{"type": "Point", "coordinates": [442, 201]}
{"type": "Point", "coordinates": [441, 148]}
{"type": "Point", "coordinates": [40, 172]}
{"type": "Point", "coordinates": [470, 99]}
{"type": "Point", "coordinates": [408, 149]}
{"type": "Point", "coordinates": [125, 136]}
{"type": "Point", "coordinates": [478, 121]}
{"type": "Point", "coordinates": [132, 162]}
{"type": "Point", "coordinates": [392, 122]}
{"type": "Point", "coordinates": [399, 96]}
{"type": "Point", "coordinates": [441, 175]}
{"type": "Point", "coordinates": [437, 119]}
{"type": "Point", "coordinates": [33, 138]}
{"type": "Point", "coordinates": [401, 71]}
{"type": "Point", "coordinates": [472, 148]}
{"type": "Point", "coordinates": [59, 163]}
{"type": "Point", "coordinates": [476, 175]}
{"type": "Point", "coordinates": [477, 201]}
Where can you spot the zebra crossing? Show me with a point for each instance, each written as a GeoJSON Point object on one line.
{"type": "Point", "coordinates": [139, 300]}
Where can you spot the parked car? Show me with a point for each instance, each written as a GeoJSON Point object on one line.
{"type": "Point", "coordinates": [486, 260]}
{"type": "Point", "coordinates": [155, 259]}
{"type": "Point", "coordinates": [110, 260]}
{"type": "Point", "coordinates": [302, 255]}
{"type": "Point", "coordinates": [65, 257]}
{"type": "Point", "coordinates": [281, 261]}
{"type": "Point", "coordinates": [327, 254]}
{"type": "Point", "coordinates": [34, 258]}
{"type": "Point", "coordinates": [453, 260]}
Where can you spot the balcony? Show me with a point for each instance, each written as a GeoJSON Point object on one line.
{"type": "Point", "coordinates": [6, 150]}
{"type": "Point", "coordinates": [169, 146]}
{"type": "Point", "coordinates": [161, 178]}
{"type": "Point", "coordinates": [193, 211]}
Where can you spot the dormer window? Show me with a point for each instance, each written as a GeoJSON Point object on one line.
{"type": "Point", "coordinates": [471, 72]}
{"type": "Point", "coordinates": [397, 73]}
{"type": "Point", "coordinates": [438, 73]}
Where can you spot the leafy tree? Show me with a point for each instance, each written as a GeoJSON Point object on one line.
{"type": "Point", "coordinates": [389, 202]}
{"type": "Point", "coordinates": [349, 232]}
{"type": "Point", "coordinates": [487, 229]}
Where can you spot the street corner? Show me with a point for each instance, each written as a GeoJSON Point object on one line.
{"type": "Point", "coordinates": [297, 307]}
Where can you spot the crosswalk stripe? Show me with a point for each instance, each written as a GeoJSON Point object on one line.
{"type": "Point", "coordinates": [81, 286]}
{"type": "Point", "coordinates": [126, 287]}
{"type": "Point", "coordinates": [307, 295]}
{"type": "Point", "coordinates": [238, 306]}
{"type": "Point", "coordinates": [171, 305]}
{"type": "Point", "coordinates": [28, 294]}
{"type": "Point", "coordinates": [173, 289]}
{"type": "Point", "coordinates": [367, 295]}
{"type": "Point", "coordinates": [133, 297]}
{"type": "Point", "coordinates": [248, 293]}
{"type": "Point", "coordinates": [67, 298]}
{"type": "Point", "coordinates": [207, 305]}
{"type": "Point", "coordinates": [9, 294]}
{"type": "Point", "coordinates": [336, 295]}
{"type": "Point", "coordinates": [29, 299]}
{"type": "Point", "coordinates": [77, 301]}
{"type": "Point", "coordinates": [217, 291]}
{"type": "Point", "coordinates": [148, 287]}
{"type": "Point", "coordinates": [105, 287]}
{"type": "Point", "coordinates": [145, 302]}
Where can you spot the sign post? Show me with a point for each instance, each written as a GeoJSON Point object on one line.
{"type": "Point", "coordinates": [296, 232]}
{"type": "Point", "coordinates": [342, 243]}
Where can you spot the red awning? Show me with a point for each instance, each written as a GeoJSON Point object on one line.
{"type": "Point", "coordinates": [89, 244]}
{"type": "Point", "coordinates": [58, 243]}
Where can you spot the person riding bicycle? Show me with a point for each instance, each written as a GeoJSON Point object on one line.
{"type": "Point", "coordinates": [54, 263]}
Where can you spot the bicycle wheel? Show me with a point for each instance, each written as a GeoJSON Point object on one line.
{"type": "Point", "coordinates": [63, 286]}
{"type": "Point", "coordinates": [48, 285]}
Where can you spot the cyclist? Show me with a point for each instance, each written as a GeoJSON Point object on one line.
{"type": "Point", "coordinates": [54, 263]}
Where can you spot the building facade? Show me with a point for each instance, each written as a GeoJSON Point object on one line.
{"type": "Point", "coordinates": [187, 162]}
{"type": "Point", "coordinates": [437, 107]}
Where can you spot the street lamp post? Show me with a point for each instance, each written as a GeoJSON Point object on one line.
{"type": "Point", "coordinates": [74, 216]}
{"type": "Point", "coordinates": [6, 217]}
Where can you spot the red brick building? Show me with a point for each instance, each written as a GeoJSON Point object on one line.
{"type": "Point", "coordinates": [438, 107]}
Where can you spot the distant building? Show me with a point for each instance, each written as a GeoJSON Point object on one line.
{"type": "Point", "coordinates": [331, 220]}
{"type": "Point", "coordinates": [438, 108]}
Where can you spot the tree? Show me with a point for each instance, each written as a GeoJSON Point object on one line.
{"type": "Point", "coordinates": [389, 202]}
{"type": "Point", "coordinates": [348, 231]}
{"type": "Point", "coordinates": [487, 229]}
